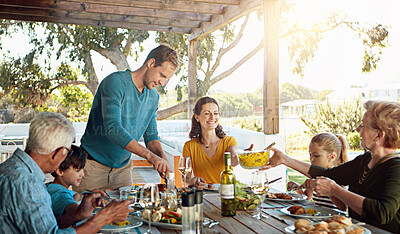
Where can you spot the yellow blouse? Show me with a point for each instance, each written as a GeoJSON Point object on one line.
{"type": "Point", "coordinates": [209, 168]}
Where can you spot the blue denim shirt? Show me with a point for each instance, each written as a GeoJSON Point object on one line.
{"type": "Point", "coordinates": [25, 204]}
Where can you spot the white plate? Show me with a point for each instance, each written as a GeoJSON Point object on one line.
{"type": "Point", "coordinates": [215, 189]}
{"type": "Point", "coordinates": [160, 225]}
{"type": "Point", "coordinates": [295, 197]}
{"type": "Point", "coordinates": [112, 228]}
{"type": "Point", "coordinates": [322, 213]}
{"type": "Point", "coordinates": [108, 228]}
{"type": "Point", "coordinates": [291, 228]}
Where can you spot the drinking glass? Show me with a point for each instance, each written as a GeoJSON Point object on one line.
{"type": "Point", "coordinates": [185, 167]}
{"type": "Point", "coordinates": [149, 199]}
{"type": "Point", "coordinates": [260, 186]}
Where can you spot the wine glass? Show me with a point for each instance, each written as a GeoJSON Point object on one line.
{"type": "Point", "coordinates": [260, 186]}
{"type": "Point", "coordinates": [149, 199]}
{"type": "Point", "coordinates": [185, 167]}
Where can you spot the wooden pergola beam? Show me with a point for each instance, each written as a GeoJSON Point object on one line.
{"type": "Point", "coordinates": [187, 6]}
{"type": "Point", "coordinates": [66, 15]}
{"type": "Point", "coordinates": [116, 10]}
{"type": "Point", "coordinates": [96, 23]}
{"type": "Point", "coordinates": [231, 14]}
{"type": "Point", "coordinates": [271, 66]}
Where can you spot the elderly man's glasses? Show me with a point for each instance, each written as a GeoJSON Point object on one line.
{"type": "Point", "coordinates": [70, 151]}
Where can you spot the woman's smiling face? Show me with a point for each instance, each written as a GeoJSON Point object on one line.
{"type": "Point", "coordinates": [209, 116]}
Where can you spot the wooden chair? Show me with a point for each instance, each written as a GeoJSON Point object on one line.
{"type": "Point", "coordinates": [178, 176]}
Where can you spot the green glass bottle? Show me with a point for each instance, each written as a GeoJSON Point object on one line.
{"type": "Point", "coordinates": [227, 188]}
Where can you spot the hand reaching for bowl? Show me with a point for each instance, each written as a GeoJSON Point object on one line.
{"type": "Point", "coordinates": [250, 148]}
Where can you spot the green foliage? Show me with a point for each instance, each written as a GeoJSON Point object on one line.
{"type": "Point", "coordinates": [374, 40]}
{"type": "Point", "coordinates": [73, 101]}
{"type": "Point", "coordinates": [207, 47]}
{"type": "Point", "coordinates": [25, 81]}
{"type": "Point", "coordinates": [233, 105]}
{"type": "Point", "coordinates": [249, 122]}
{"type": "Point", "coordinates": [298, 141]}
{"type": "Point", "coordinates": [252, 123]}
{"type": "Point", "coordinates": [354, 140]}
{"type": "Point", "coordinates": [341, 119]}
{"type": "Point", "coordinates": [289, 92]}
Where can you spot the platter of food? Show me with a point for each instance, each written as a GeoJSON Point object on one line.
{"type": "Point", "coordinates": [212, 187]}
{"type": "Point", "coordinates": [285, 197]}
{"type": "Point", "coordinates": [309, 212]}
{"type": "Point", "coordinates": [162, 218]}
{"type": "Point", "coordinates": [335, 224]}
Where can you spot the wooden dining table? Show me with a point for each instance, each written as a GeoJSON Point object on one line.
{"type": "Point", "coordinates": [243, 221]}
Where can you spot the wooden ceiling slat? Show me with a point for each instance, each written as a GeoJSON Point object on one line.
{"type": "Point", "coordinates": [101, 17]}
{"type": "Point", "coordinates": [199, 7]}
{"type": "Point", "coordinates": [96, 23]}
{"type": "Point", "coordinates": [194, 17]}
{"type": "Point", "coordinates": [94, 8]}
{"type": "Point", "coordinates": [231, 14]}
{"type": "Point", "coordinates": [225, 2]}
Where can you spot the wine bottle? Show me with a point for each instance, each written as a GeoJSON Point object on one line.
{"type": "Point", "coordinates": [227, 188]}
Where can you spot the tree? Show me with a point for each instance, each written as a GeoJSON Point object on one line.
{"type": "Point", "coordinates": [77, 44]}
{"type": "Point", "coordinates": [342, 118]}
{"type": "Point", "coordinates": [233, 105]}
{"type": "Point", "coordinates": [290, 92]}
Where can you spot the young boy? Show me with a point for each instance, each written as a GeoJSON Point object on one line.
{"type": "Point", "coordinates": [70, 172]}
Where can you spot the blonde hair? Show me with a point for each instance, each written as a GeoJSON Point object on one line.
{"type": "Point", "coordinates": [333, 144]}
{"type": "Point", "coordinates": [385, 116]}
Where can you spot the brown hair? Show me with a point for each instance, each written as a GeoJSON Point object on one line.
{"type": "Point", "coordinates": [385, 116]}
{"type": "Point", "coordinates": [77, 160]}
{"type": "Point", "coordinates": [195, 131]}
{"type": "Point", "coordinates": [163, 53]}
{"type": "Point", "coordinates": [333, 144]}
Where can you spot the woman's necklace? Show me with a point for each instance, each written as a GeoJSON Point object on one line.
{"type": "Point", "coordinates": [208, 145]}
{"type": "Point", "coordinates": [366, 170]}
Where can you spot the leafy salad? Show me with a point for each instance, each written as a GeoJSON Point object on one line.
{"type": "Point", "coordinates": [245, 199]}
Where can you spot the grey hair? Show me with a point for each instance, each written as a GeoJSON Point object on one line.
{"type": "Point", "coordinates": [49, 131]}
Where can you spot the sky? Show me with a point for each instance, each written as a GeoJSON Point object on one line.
{"type": "Point", "coordinates": [337, 62]}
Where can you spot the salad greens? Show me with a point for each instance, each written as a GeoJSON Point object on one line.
{"type": "Point", "coordinates": [244, 198]}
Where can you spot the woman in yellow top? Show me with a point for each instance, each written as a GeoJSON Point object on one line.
{"type": "Point", "coordinates": [208, 144]}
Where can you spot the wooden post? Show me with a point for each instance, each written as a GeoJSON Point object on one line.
{"type": "Point", "coordinates": [271, 66]}
{"type": "Point", "coordinates": [192, 79]}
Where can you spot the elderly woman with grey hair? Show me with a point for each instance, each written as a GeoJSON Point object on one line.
{"type": "Point", "coordinates": [25, 205]}
{"type": "Point", "coordinates": [373, 177]}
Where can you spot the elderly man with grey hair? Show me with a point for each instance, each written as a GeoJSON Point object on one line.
{"type": "Point", "coordinates": [25, 205]}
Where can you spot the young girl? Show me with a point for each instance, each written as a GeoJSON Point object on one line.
{"type": "Point", "coordinates": [70, 172]}
{"type": "Point", "coordinates": [326, 150]}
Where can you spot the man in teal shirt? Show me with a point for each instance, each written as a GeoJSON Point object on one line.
{"type": "Point", "coordinates": [124, 109]}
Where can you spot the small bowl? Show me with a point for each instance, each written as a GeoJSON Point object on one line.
{"type": "Point", "coordinates": [253, 159]}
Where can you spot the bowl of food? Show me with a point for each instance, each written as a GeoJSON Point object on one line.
{"type": "Point", "coordinates": [253, 159]}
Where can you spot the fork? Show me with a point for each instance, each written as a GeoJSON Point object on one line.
{"type": "Point", "coordinates": [106, 197]}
